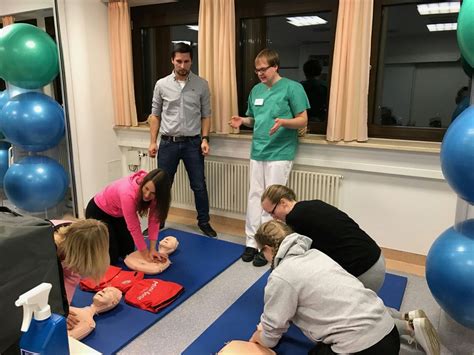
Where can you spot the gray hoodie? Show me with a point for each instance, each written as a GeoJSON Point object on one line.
{"type": "Point", "coordinates": [328, 304]}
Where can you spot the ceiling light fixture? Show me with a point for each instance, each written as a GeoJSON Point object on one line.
{"type": "Point", "coordinates": [306, 21]}
{"type": "Point", "coordinates": [442, 27]}
{"type": "Point", "coordinates": [179, 41]}
{"type": "Point", "coordinates": [439, 8]}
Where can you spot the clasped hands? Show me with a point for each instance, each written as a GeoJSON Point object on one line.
{"type": "Point", "coordinates": [153, 256]}
{"type": "Point", "coordinates": [237, 121]}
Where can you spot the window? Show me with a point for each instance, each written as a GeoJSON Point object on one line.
{"type": "Point", "coordinates": [417, 80]}
{"type": "Point", "coordinates": [156, 46]}
{"type": "Point", "coordinates": [266, 24]}
{"type": "Point", "coordinates": [154, 28]}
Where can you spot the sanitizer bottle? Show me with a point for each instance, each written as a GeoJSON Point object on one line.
{"type": "Point", "coordinates": [46, 333]}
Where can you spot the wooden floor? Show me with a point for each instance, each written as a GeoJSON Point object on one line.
{"type": "Point", "coordinates": [395, 260]}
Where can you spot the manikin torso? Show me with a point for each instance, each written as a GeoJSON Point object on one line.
{"type": "Point", "coordinates": [103, 301]}
{"type": "Point", "coordinates": [136, 262]}
{"type": "Point", "coordinates": [240, 347]}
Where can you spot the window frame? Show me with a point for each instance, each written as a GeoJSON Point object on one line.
{"type": "Point", "coordinates": [391, 132]}
{"type": "Point", "coordinates": [187, 11]}
{"type": "Point", "coordinates": [183, 12]}
{"type": "Point", "coordinates": [246, 9]}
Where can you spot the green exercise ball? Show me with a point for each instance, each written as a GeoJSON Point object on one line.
{"type": "Point", "coordinates": [28, 56]}
{"type": "Point", "coordinates": [466, 67]}
{"type": "Point", "coordinates": [465, 32]}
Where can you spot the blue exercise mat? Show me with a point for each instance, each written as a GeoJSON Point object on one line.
{"type": "Point", "coordinates": [239, 321]}
{"type": "Point", "coordinates": [197, 261]}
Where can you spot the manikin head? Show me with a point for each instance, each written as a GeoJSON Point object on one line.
{"type": "Point", "coordinates": [168, 245]}
{"type": "Point", "coordinates": [136, 262]}
{"type": "Point", "coordinates": [267, 63]}
{"type": "Point", "coordinates": [102, 301]}
{"type": "Point", "coordinates": [278, 201]}
{"type": "Point", "coordinates": [106, 299]}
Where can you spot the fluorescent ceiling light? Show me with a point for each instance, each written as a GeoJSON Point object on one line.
{"type": "Point", "coordinates": [442, 27]}
{"type": "Point", "coordinates": [193, 27]}
{"type": "Point", "coordinates": [187, 42]}
{"type": "Point", "coordinates": [306, 21]}
{"type": "Point", "coordinates": [439, 8]}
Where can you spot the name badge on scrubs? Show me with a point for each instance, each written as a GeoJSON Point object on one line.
{"type": "Point", "coordinates": [258, 102]}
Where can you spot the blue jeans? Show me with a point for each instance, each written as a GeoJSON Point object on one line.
{"type": "Point", "coordinates": [169, 155]}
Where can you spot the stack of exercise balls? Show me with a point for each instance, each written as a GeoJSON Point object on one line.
{"type": "Point", "coordinates": [4, 145]}
{"type": "Point", "coordinates": [450, 261]}
{"type": "Point", "coordinates": [30, 119]}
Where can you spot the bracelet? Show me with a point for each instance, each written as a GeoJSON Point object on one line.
{"type": "Point", "coordinates": [206, 138]}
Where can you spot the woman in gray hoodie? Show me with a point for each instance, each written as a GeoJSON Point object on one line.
{"type": "Point", "coordinates": [330, 306]}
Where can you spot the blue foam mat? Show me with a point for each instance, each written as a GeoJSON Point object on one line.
{"type": "Point", "coordinates": [197, 261]}
{"type": "Point", "coordinates": [239, 321]}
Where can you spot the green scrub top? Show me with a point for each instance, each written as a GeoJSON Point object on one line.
{"type": "Point", "coordinates": [285, 99]}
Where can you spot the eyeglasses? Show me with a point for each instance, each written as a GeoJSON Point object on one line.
{"type": "Point", "coordinates": [262, 70]}
{"type": "Point", "coordinates": [274, 208]}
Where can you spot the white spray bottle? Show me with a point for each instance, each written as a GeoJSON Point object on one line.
{"type": "Point", "coordinates": [46, 333]}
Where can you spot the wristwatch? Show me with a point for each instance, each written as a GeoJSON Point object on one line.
{"type": "Point", "coordinates": [206, 138]}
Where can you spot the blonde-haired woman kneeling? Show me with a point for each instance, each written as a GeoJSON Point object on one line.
{"type": "Point", "coordinates": [330, 306]}
{"type": "Point", "coordinates": [83, 250]}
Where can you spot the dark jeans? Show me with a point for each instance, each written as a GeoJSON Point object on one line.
{"type": "Point", "coordinates": [389, 345]}
{"type": "Point", "coordinates": [169, 155]}
{"type": "Point", "coordinates": [120, 240]}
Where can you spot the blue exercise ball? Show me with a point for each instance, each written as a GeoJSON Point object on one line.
{"type": "Point", "coordinates": [4, 147]}
{"type": "Point", "coordinates": [36, 183]}
{"type": "Point", "coordinates": [457, 155]}
{"type": "Point", "coordinates": [4, 97]}
{"type": "Point", "coordinates": [450, 272]}
{"type": "Point", "coordinates": [33, 121]}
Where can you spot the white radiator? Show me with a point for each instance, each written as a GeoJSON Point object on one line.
{"type": "Point", "coordinates": [228, 185]}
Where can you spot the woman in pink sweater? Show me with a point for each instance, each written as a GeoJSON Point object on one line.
{"type": "Point", "coordinates": [120, 204]}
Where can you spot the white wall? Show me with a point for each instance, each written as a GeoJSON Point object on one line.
{"type": "Point", "coordinates": [84, 38]}
{"type": "Point", "coordinates": [11, 7]}
{"type": "Point", "coordinates": [399, 197]}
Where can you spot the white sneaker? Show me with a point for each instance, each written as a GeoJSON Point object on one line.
{"type": "Point", "coordinates": [426, 336]}
{"type": "Point", "coordinates": [418, 313]}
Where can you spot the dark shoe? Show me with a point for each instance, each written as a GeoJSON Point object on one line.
{"type": "Point", "coordinates": [259, 260]}
{"type": "Point", "coordinates": [207, 230]}
{"type": "Point", "coordinates": [249, 254]}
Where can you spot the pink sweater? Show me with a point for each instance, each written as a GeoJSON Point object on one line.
{"type": "Point", "coordinates": [119, 200]}
{"type": "Point", "coordinates": [71, 280]}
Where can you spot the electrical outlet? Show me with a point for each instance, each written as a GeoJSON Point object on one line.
{"type": "Point", "coordinates": [133, 157]}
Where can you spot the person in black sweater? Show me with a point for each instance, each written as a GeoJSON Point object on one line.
{"type": "Point", "coordinates": [337, 235]}
{"type": "Point", "coordinates": [333, 232]}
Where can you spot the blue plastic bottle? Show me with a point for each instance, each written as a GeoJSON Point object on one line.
{"type": "Point", "coordinates": [46, 333]}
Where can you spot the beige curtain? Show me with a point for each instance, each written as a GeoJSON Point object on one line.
{"type": "Point", "coordinates": [7, 20]}
{"type": "Point", "coordinates": [348, 101]}
{"type": "Point", "coordinates": [216, 41]}
{"type": "Point", "coordinates": [120, 43]}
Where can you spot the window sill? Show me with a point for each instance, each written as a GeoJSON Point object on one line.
{"type": "Point", "coordinates": [372, 143]}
